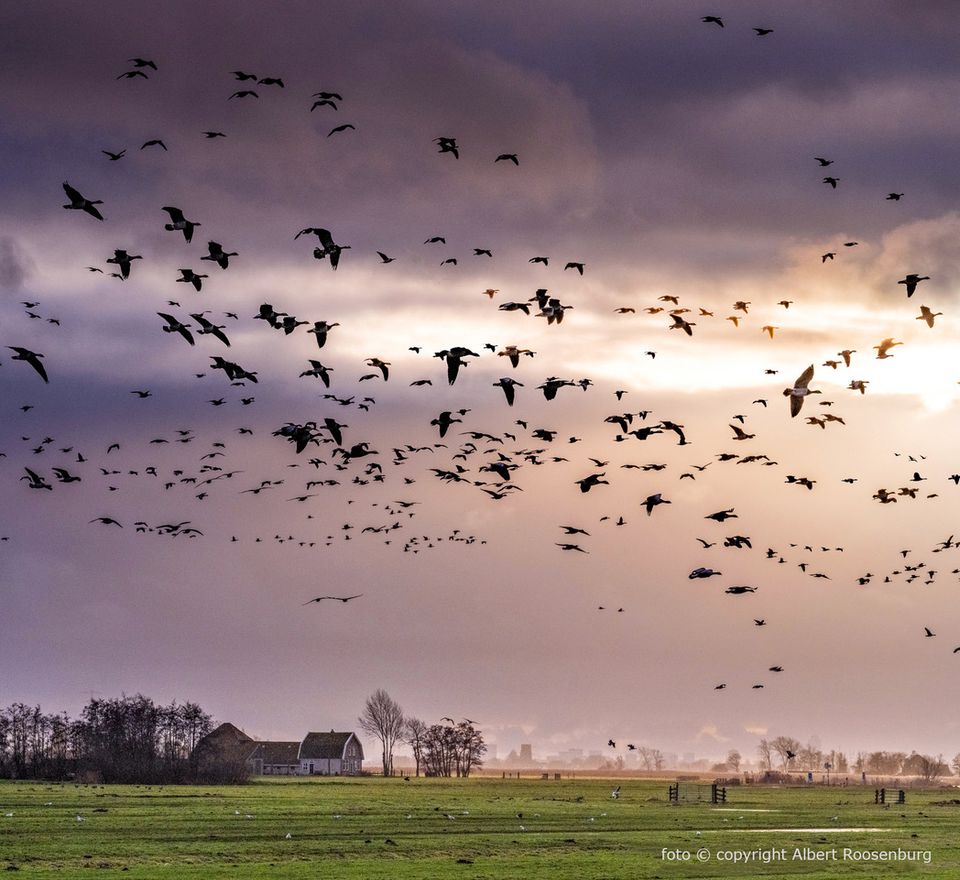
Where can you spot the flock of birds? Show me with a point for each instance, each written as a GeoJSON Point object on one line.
{"type": "Point", "coordinates": [457, 451]}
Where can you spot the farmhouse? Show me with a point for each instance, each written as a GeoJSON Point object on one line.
{"type": "Point", "coordinates": [317, 754]}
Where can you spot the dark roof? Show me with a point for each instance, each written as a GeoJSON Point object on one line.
{"type": "Point", "coordinates": [324, 745]}
{"type": "Point", "coordinates": [277, 752]}
{"type": "Point", "coordinates": [225, 742]}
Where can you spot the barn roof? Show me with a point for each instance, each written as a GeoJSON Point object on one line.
{"type": "Point", "coordinates": [277, 752]}
{"type": "Point", "coordinates": [225, 742]}
{"type": "Point", "coordinates": [323, 745]}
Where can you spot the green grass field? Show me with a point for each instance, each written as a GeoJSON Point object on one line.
{"type": "Point", "coordinates": [375, 828]}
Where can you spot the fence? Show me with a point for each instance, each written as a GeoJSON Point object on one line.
{"type": "Point", "coordinates": [692, 792]}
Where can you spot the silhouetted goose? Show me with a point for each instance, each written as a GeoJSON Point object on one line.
{"type": "Point", "coordinates": [290, 323]}
{"type": "Point", "coordinates": [114, 156]}
{"type": "Point", "coordinates": [552, 386]}
{"type": "Point", "coordinates": [79, 203]}
{"type": "Point", "coordinates": [320, 329]}
{"type": "Point", "coordinates": [444, 421]}
{"type": "Point", "coordinates": [508, 385]}
{"type": "Point", "coordinates": [454, 359]}
{"type": "Point", "coordinates": [208, 328]}
{"type": "Point", "coordinates": [652, 501]}
{"type": "Point", "coordinates": [122, 260]}
{"type": "Point", "coordinates": [174, 326]}
{"type": "Point", "coordinates": [383, 366]}
{"type": "Point", "coordinates": [319, 371]}
{"type": "Point", "coordinates": [29, 357]}
{"type": "Point", "coordinates": [508, 157]}
{"type": "Point", "coordinates": [179, 223]}
{"type": "Point", "coordinates": [328, 247]}
{"type": "Point", "coordinates": [218, 255]}
{"type": "Point", "coordinates": [911, 281]}
{"type": "Point", "coordinates": [680, 324]}
{"type": "Point", "coordinates": [448, 145]}
{"type": "Point", "coordinates": [188, 276]}
{"type": "Point", "coordinates": [35, 480]}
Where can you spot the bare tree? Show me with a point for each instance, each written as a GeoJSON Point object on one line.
{"type": "Point", "coordinates": [927, 768]}
{"type": "Point", "coordinates": [955, 765]}
{"type": "Point", "coordinates": [414, 734]}
{"type": "Point", "coordinates": [765, 755]}
{"type": "Point", "coordinates": [733, 760]}
{"type": "Point", "coordinates": [449, 750]}
{"type": "Point", "coordinates": [382, 718]}
{"type": "Point", "coordinates": [810, 757]}
{"type": "Point", "coordinates": [657, 759]}
{"type": "Point", "coordinates": [786, 748]}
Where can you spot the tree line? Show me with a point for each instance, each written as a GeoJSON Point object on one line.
{"type": "Point", "coordinates": [792, 755]}
{"type": "Point", "coordinates": [123, 739]}
{"type": "Point", "coordinates": [442, 749]}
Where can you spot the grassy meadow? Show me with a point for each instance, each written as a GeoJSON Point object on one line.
{"type": "Point", "coordinates": [430, 828]}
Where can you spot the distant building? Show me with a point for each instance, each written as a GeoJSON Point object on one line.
{"type": "Point", "coordinates": [317, 754]}
{"type": "Point", "coordinates": [275, 759]}
{"type": "Point", "coordinates": [526, 752]}
{"type": "Point", "coordinates": [330, 754]}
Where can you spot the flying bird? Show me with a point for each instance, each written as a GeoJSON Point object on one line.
{"type": "Point", "coordinates": [911, 281]}
{"type": "Point", "coordinates": [174, 326]}
{"type": "Point", "coordinates": [799, 391]}
{"type": "Point", "coordinates": [448, 145]}
{"type": "Point", "coordinates": [179, 223]}
{"type": "Point", "coordinates": [30, 357]}
{"type": "Point", "coordinates": [80, 203]}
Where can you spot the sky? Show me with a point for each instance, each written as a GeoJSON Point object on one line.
{"type": "Point", "coordinates": [670, 156]}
